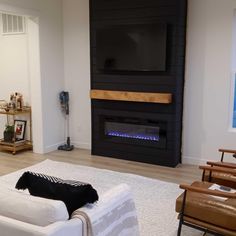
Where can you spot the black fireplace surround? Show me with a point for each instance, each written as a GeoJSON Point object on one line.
{"type": "Point", "coordinates": [139, 131]}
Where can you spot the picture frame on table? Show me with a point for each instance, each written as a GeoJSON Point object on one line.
{"type": "Point", "coordinates": [19, 129]}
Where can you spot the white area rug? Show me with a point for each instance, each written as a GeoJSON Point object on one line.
{"type": "Point", "coordinates": [154, 199]}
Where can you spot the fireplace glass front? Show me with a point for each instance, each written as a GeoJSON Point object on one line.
{"type": "Point", "coordinates": [132, 131]}
{"type": "Point", "coordinates": [135, 131]}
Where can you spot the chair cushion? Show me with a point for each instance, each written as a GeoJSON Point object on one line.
{"type": "Point", "coordinates": [74, 194]}
{"type": "Point", "coordinates": [221, 179]}
{"type": "Point", "coordinates": [34, 210]}
{"type": "Point", "coordinates": [208, 208]}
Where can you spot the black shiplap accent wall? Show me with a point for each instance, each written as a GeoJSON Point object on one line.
{"type": "Point", "coordinates": [120, 12]}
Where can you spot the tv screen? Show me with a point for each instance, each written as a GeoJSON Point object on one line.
{"type": "Point", "coordinates": [131, 48]}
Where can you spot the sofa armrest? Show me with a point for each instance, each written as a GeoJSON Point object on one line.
{"type": "Point", "coordinates": [114, 210]}
{"type": "Point", "coordinates": [108, 200]}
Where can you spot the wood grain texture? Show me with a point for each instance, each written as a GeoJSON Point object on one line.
{"type": "Point", "coordinates": [181, 174]}
{"type": "Point", "coordinates": [16, 112]}
{"type": "Point", "coordinates": [208, 191]}
{"type": "Point", "coordinates": [165, 98]}
{"type": "Point", "coordinates": [227, 150]}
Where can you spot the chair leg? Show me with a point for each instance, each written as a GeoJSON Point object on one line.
{"type": "Point", "coordinates": [210, 176]}
{"type": "Point", "coordinates": [180, 227]}
{"type": "Point", "coordinates": [222, 157]}
{"type": "Point", "coordinates": [181, 219]}
{"type": "Point", "coordinates": [203, 175]}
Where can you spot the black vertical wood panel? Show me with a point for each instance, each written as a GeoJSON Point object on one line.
{"type": "Point", "coordinates": [121, 12]}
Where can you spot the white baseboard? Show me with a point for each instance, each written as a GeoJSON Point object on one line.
{"type": "Point", "coordinates": [193, 160]}
{"type": "Point", "coordinates": [53, 147]}
{"type": "Point", "coordinates": [82, 145]}
{"type": "Point", "coordinates": [76, 144]}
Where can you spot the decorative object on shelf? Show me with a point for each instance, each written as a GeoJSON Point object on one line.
{"type": "Point", "coordinates": [22, 142]}
{"type": "Point", "coordinates": [8, 133]}
{"type": "Point", "coordinates": [12, 103]}
{"type": "Point", "coordinates": [19, 128]}
{"type": "Point", "coordinates": [19, 101]}
{"type": "Point", "coordinates": [16, 101]}
{"type": "Point", "coordinates": [3, 105]}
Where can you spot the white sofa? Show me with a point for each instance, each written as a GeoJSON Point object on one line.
{"type": "Point", "coordinates": [10, 226]}
{"type": "Point", "coordinates": [18, 220]}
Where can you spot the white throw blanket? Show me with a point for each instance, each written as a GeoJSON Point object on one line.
{"type": "Point", "coordinates": [118, 218]}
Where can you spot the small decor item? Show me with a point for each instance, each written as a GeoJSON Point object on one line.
{"type": "Point", "coordinates": [8, 134]}
{"type": "Point", "coordinates": [19, 127]}
{"type": "Point", "coordinates": [3, 104]}
{"type": "Point", "coordinates": [13, 101]}
{"type": "Point", "coordinates": [19, 101]}
{"type": "Point", "coordinates": [16, 101]}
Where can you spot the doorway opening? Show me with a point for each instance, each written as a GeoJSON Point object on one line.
{"type": "Point", "coordinates": [20, 60]}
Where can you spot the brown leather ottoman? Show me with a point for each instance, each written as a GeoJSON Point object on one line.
{"type": "Point", "coordinates": [209, 211]}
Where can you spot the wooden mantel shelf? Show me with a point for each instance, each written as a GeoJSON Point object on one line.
{"type": "Point", "coordinates": [165, 98]}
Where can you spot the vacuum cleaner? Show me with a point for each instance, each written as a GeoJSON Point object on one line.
{"type": "Point", "coordinates": [64, 101]}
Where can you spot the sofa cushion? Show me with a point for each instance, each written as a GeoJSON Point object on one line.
{"type": "Point", "coordinates": [30, 209]}
{"type": "Point", "coordinates": [74, 194]}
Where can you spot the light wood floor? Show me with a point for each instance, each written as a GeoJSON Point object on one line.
{"type": "Point", "coordinates": [180, 174]}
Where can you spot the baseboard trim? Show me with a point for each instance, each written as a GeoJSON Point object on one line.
{"type": "Point", "coordinates": [82, 145]}
{"type": "Point", "coordinates": [53, 147]}
{"type": "Point", "coordinates": [193, 160]}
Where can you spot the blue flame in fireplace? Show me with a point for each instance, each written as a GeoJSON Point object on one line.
{"type": "Point", "coordinates": [133, 136]}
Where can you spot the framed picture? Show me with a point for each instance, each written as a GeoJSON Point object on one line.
{"type": "Point", "coordinates": [19, 128]}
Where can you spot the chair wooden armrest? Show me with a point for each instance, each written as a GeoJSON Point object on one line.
{"type": "Point", "coordinates": [219, 169]}
{"type": "Point", "coordinates": [222, 150]}
{"type": "Point", "coordinates": [207, 191]}
{"type": "Point", "coordinates": [227, 150]}
{"type": "Point", "coordinates": [222, 164]}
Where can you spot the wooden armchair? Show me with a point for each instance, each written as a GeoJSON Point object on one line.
{"type": "Point", "coordinates": [201, 208]}
{"type": "Point", "coordinates": [223, 173]}
{"type": "Point", "coordinates": [223, 151]}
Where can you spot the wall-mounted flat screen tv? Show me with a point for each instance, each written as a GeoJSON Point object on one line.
{"type": "Point", "coordinates": [131, 48]}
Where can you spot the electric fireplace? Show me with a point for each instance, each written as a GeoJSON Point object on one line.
{"type": "Point", "coordinates": [142, 132]}
{"type": "Point", "coordinates": [135, 131]}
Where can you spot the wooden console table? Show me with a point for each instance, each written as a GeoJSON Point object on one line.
{"type": "Point", "coordinates": [17, 145]}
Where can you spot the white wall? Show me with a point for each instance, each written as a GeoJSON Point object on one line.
{"type": "Point", "coordinates": [208, 73]}
{"type": "Point", "coordinates": [14, 75]}
{"type": "Point", "coordinates": [14, 66]}
{"type": "Point", "coordinates": [208, 80]}
{"type": "Point", "coordinates": [77, 69]}
{"type": "Point", "coordinates": [208, 76]}
{"type": "Point", "coordinates": [47, 116]}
